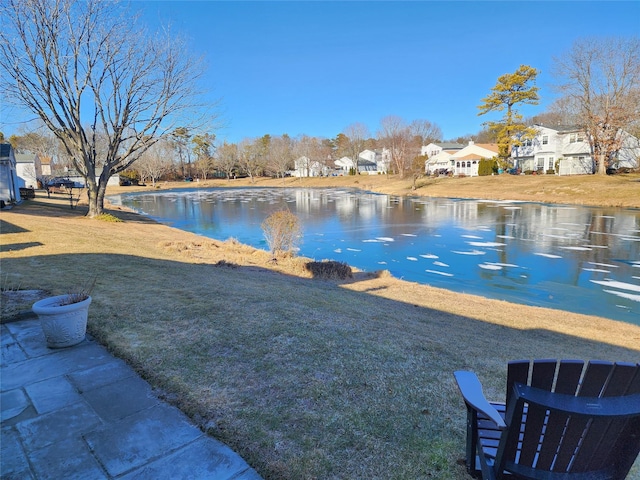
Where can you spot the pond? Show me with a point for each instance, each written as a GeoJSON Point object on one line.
{"type": "Point", "coordinates": [580, 259]}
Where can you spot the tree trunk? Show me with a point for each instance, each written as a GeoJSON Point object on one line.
{"type": "Point", "coordinates": [96, 194]}
{"type": "Point", "coordinates": [602, 165]}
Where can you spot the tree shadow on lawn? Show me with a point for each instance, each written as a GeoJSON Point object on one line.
{"type": "Point", "coordinates": [305, 378]}
{"type": "Point", "coordinates": [59, 207]}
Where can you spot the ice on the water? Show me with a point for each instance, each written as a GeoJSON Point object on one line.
{"type": "Point", "coordinates": [445, 274]}
{"type": "Point", "coordinates": [486, 244]}
{"type": "Point", "coordinates": [628, 296]}
{"type": "Point", "coordinates": [489, 266]}
{"type": "Point", "coordinates": [547, 255]}
{"type": "Point", "coordinates": [616, 284]}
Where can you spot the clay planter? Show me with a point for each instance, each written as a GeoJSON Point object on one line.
{"type": "Point", "coordinates": [63, 325]}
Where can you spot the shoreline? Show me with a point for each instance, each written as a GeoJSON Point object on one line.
{"type": "Point", "coordinates": [269, 183]}
{"type": "Point", "coordinates": [621, 191]}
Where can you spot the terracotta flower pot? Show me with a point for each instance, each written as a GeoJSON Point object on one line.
{"type": "Point", "coordinates": [63, 325]}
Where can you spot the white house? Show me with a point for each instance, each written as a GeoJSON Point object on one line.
{"type": "Point", "coordinates": [9, 188]}
{"type": "Point", "coordinates": [304, 167]}
{"type": "Point", "coordinates": [344, 165]}
{"type": "Point", "coordinates": [566, 151]}
{"type": "Point", "coordinates": [373, 162]}
{"type": "Point", "coordinates": [370, 162]}
{"type": "Point", "coordinates": [439, 156]}
{"type": "Point", "coordinates": [466, 161]}
{"type": "Point", "coordinates": [28, 169]}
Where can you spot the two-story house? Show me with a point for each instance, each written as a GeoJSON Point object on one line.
{"type": "Point", "coordinates": [565, 150]}
{"type": "Point", "coordinates": [29, 169]}
{"type": "Point", "coordinates": [562, 149]}
{"type": "Point", "coordinates": [374, 161]}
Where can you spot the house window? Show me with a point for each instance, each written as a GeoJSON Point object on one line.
{"type": "Point", "coordinates": [527, 143]}
{"type": "Point", "coordinates": [579, 137]}
{"type": "Point", "coordinates": [457, 164]}
{"type": "Point", "coordinates": [540, 165]}
{"type": "Point", "coordinates": [573, 138]}
{"type": "Point", "coordinates": [468, 164]}
{"type": "Point", "coordinates": [545, 139]}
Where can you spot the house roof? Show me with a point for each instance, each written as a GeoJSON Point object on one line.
{"type": "Point", "coordinates": [25, 157]}
{"type": "Point", "coordinates": [474, 151]}
{"type": "Point", "coordinates": [489, 146]}
{"type": "Point", "coordinates": [562, 128]}
{"type": "Point", "coordinates": [450, 145]}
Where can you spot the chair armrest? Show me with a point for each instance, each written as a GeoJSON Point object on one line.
{"type": "Point", "coordinates": [471, 390]}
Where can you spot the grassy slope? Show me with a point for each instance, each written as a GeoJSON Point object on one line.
{"type": "Point", "coordinates": [304, 378]}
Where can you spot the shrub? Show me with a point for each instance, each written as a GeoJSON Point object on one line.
{"type": "Point", "coordinates": [487, 167]}
{"type": "Point", "coordinates": [528, 172]}
{"type": "Point", "coordinates": [107, 217]}
{"type": "Point", "coordinates": [329, 269]}
{"type": "Point", "coordinates": [282, 232]}
{"type": "Point", "coordinates": [551, 171]}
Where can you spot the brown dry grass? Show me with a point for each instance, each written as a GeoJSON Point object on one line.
{"type": "Point", "coordinates": [304, 378]}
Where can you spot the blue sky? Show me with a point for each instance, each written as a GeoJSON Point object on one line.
{"type": "Point", "coordinates": [316, 67]}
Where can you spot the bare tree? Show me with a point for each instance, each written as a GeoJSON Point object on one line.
{"type": "Point", "coordinates": [251, 157]}
{"type": "Point", "coordinates": [155, 162]}
{"type": "Point", "coordinates": [357, 135]}
{"type": "Point", "coordinates": [426, 131]}
{"type": "Point", "coordinates": [280, 156]}
{"type": "Point", "coordinates": [86, 68]}
{"type": "Point", "coordinates": [601, 80]}
{"type": "Point", "coordinates": [227, 158]}
{"type": "Point", "coordinates": [395, 135]}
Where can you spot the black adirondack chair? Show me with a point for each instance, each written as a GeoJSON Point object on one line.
{"type": "Point", "coordinates": [562, 420]}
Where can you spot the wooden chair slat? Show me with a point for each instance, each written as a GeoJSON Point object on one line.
{"type": "Point", "coordinates": [569, 375]}
{"type": "Point", "coordinates": [517, 372]}
{"type": "Point", "coordinates": [621, 381]}
{"type": "Point", "coordinates": [543, 373]}
{"type": "Point", "coordinates": [595, 378]}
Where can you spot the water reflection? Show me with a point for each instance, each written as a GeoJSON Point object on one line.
{"type": "Point", "coordinates": [566, 257]}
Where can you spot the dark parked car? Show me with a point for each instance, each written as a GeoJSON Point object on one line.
{"type": "Point", "coordinates": [61, 182]}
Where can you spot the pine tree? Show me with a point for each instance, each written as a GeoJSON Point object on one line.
{"type": "Point", "coordinates": [512, 89]}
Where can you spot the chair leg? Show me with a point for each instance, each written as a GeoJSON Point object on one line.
{"type": "Point", "coordinates": [472, 442]}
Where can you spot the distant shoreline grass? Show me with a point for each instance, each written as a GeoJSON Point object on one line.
{"type": "Point", "coordinates": [304, 378]}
